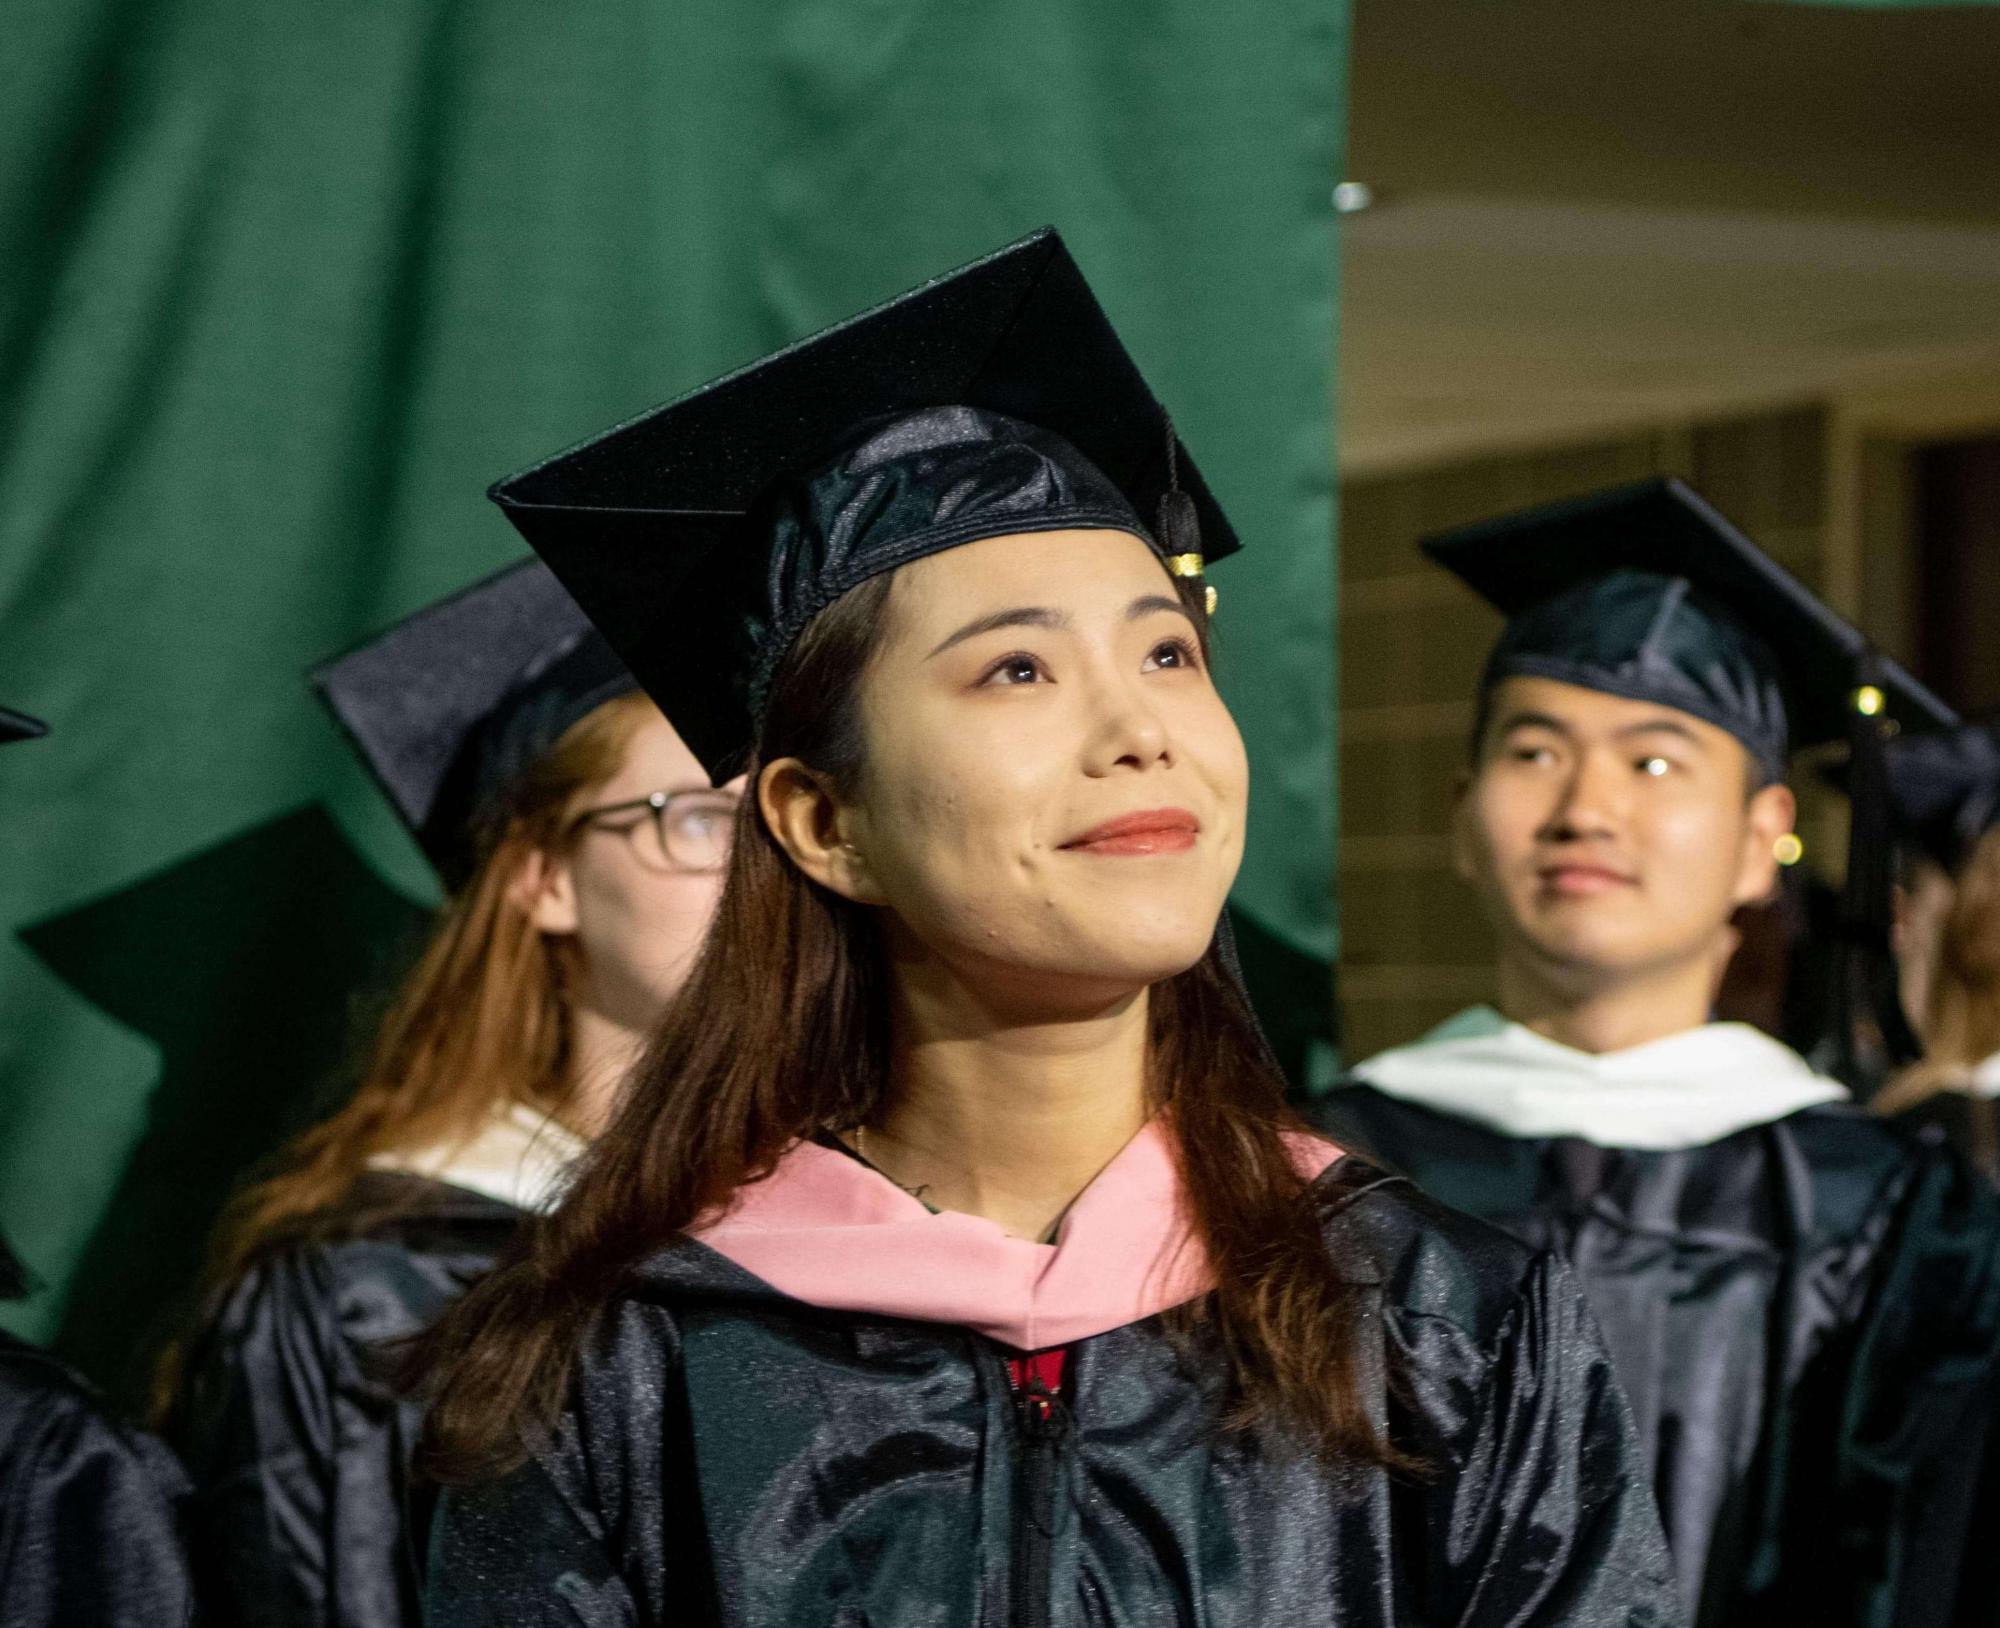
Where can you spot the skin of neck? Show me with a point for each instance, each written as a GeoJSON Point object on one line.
{"type": "Point", "coordinates": [1594, 1010]}
{"type": "Point", "coordinates": [603, 1052]}
{"type": "Point", "coordinates": [999, 1111]}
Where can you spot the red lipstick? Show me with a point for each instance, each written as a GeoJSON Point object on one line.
{"type": "Point", "coordinates": [1153, 831]}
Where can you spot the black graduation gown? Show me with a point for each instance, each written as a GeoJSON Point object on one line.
{"type": "Point", "coordinates": [87, 1508]}
{"type": "Point", "coordinates": [298, 1444]}
{"type": "Point", "coordinates": [1804, 1316]}
{"type": "Point", "coordinates": [735, 1457]}
{"type": "Point", "coordinates": [1969, 1123]}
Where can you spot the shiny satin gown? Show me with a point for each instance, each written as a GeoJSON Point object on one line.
{"type": "Point", "coordinates": [298, 1443]}
{"type": "Point", "coordinates": [734, 1455]}
{"type": "Point", "coordinates": [1806, 1317]}
{"type": "Point", "coordinates": [87, 1507]}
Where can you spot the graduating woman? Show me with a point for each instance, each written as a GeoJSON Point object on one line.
{"type": "Point", "coordinates": [952, 1258]}
{"type": "Point", "coordinates": [88, 1508]}
{"type": "Point", "coordinates": [581, 846]}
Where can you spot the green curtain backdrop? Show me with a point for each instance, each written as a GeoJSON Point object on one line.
{"type": "Point", "coordinates": [283, 286]}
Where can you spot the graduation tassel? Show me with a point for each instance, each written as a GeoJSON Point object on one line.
{"type": "Point", "coordinates": [1179, 528]}
{"type": "Point", "coordinates": [1868, 1006]}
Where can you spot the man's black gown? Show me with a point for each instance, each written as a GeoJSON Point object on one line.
{"type": "Point", "coordinates": [733, 1456]}
{"type": "Point", "coordinates": [87, 1508]}
{"type": "Point", "coordinates": [298, 1444]}
{"type": "Point", "coordinates": [1804, 1315]}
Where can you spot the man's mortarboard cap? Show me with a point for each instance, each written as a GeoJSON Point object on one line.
{"type": "Point", "coordinates": [1944, 788]}
{"type": "Point", "coordinates": [453, 704]}
{"type": "Point", "coordinates": [703, 535]}
{"type": "Point", "coordinates": [1646, 591]}
{"type": "Point", "coordinates": [18, 726]}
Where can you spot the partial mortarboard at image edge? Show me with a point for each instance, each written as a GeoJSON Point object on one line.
{"type": "Point", "coordinates": [448, 707]}
{"type": "Point", "coordinates": [1646, 590]}
{"type": "Point", "coordinates": [15, 726]}
{"type": "Point", "coordinates": [702, 535]}
{"type": "Point", "coordinates": [1944, 788]}
{"type": "Point", "coordinates": [18, 726]}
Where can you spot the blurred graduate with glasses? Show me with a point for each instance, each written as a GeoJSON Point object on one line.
{"type": "Point", "coordinates": [581, 848]}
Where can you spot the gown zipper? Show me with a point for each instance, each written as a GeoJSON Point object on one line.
{"type": "Point", "coordinates": [1043, 1421]}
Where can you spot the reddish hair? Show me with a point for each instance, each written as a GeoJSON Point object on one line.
{"type": "Point", "coordinates": [482, 1018]}
{"type": "Point", "coordinates": [792, 976]}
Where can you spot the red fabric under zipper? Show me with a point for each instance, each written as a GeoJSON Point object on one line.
{"type": "Point", "coordinates": [1039, 1374]}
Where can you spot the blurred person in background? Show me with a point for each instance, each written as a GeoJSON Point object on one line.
{"type": "Point", "coordinates": [581, 848]}
{"type": "Point", "coordinates": [1798, 1298]}
{"type": "Point", "coordinates": [88, 1508]}
{"type": "Point", "coordinates": [1944, 793]}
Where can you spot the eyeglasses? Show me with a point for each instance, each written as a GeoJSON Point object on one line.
{"type": "Point", "coordinates": [671, 830]}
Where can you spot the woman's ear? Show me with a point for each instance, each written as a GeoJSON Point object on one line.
{"type": "Point", "coordinates": [810, 823]}
{"type": "Point", "coordinates": [544, 890]}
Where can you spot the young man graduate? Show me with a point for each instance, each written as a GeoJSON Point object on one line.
{"type": "Point", "coordinates": [1800, 1301]}
{"type": "Point", "coordinates": [88, 1508]}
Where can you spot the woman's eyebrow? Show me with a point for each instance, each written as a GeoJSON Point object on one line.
{"type": "Point", "coordinates": [1019, 616]}
{"type": "Point", "coordinates": [1150, 604]}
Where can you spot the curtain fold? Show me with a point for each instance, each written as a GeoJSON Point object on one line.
{"type": "Point", "coordinates": [282, 287]}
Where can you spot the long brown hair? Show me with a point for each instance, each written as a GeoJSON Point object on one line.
{"type": "Point", "coordinates": [792, 976]}
{"type": "Point", "coordinates": [482, 1018]}
{"type": "Point", "coordinates": [1962, 1017]}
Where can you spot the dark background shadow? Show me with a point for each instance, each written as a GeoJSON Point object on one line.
{"type": "Point", "coordinates": [1293, 994]}
{"type": "Point", "coordinates": [247, 965]}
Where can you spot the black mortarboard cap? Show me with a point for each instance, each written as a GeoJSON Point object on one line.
{"type": "Point", "coordinates": [1646, 591]}
{"type": "Point", "coordinates": [18, 726]}
{"type": "Point", "coordinates": [1944, 788]}
{"type": "Point", "coordinates": [703, 535]}
{"type": "Point", "coordinates": [452, 705]}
